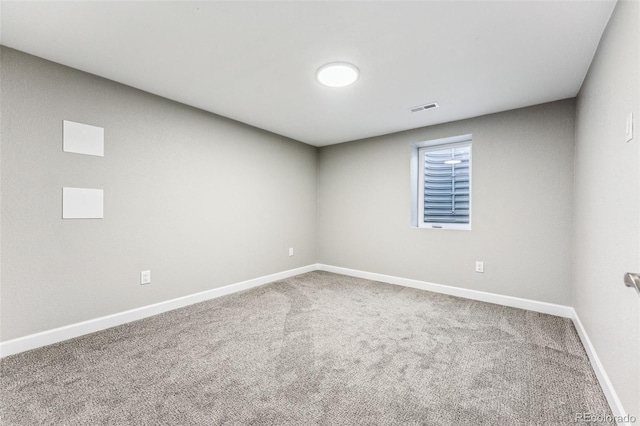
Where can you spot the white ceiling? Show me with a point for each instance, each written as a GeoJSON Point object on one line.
{"type": "Point", "coordinates": [255, 62]}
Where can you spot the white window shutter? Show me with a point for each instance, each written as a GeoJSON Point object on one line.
{"type": "Point", "coordinates": [446, 184]}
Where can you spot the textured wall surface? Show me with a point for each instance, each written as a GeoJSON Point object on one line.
{"type": "Point", "coordinates": [607, 203]}
{"type": "Point", "coordinates": [522, 206]}
{"type": "Point", "coordinates": [200, 200]}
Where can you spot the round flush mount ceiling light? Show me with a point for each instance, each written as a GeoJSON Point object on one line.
{"type": "Point", "coordinates": [337, 74]}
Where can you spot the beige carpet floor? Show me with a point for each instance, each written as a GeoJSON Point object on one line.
{"type": "Point", "coordinates": [316, 349]}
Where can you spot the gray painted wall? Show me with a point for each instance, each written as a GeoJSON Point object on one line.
{"type": "Point", "coordinates": [607, 203]}
{"type": "Point", "coordinates": [522, 206]}
{"type": "Point", "coordinates": [176, 204]}
{"type": "Point", "coordinates": [200, 200]}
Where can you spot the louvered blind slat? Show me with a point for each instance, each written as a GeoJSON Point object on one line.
{"type": "Point", "coordinates": [446, 186]}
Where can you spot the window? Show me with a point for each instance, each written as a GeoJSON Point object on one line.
{"type": "Point", "coordinates": [441, 183]}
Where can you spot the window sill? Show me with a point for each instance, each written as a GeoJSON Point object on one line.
{"type": "Point", "coordinates": [450, 227]}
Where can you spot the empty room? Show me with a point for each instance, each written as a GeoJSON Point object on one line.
{"type": "Point", "coordinates": [320, 212]}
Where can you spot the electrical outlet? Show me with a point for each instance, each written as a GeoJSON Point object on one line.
{"type": "Point", "coordinates": [145, 277]}
{"type": "Point", "coordinates": [290, 251]}
{"type": "Point", "coordinates": [480, 266]}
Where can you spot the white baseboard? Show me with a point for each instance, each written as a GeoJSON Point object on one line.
{"type": "Point", "coordinates": [498, 299]}
{"type": "Point", "coordinates": [60, 334]}
{"type": "Point", "coordinates": [515, 302]}
{"type": "Point", "coordinates": [598, 368]}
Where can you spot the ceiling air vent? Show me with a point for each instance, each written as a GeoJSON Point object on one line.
{"type": "Point", "coordinates": [424, 107]}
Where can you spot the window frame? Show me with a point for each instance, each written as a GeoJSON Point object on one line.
{"type": "Point", "coordinates": [417, 180]}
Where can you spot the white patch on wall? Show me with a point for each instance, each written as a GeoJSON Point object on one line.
{"type": "Point", "coordinates": [82, 138]}
{"type": "Point", "coordinates": [82, 203]}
